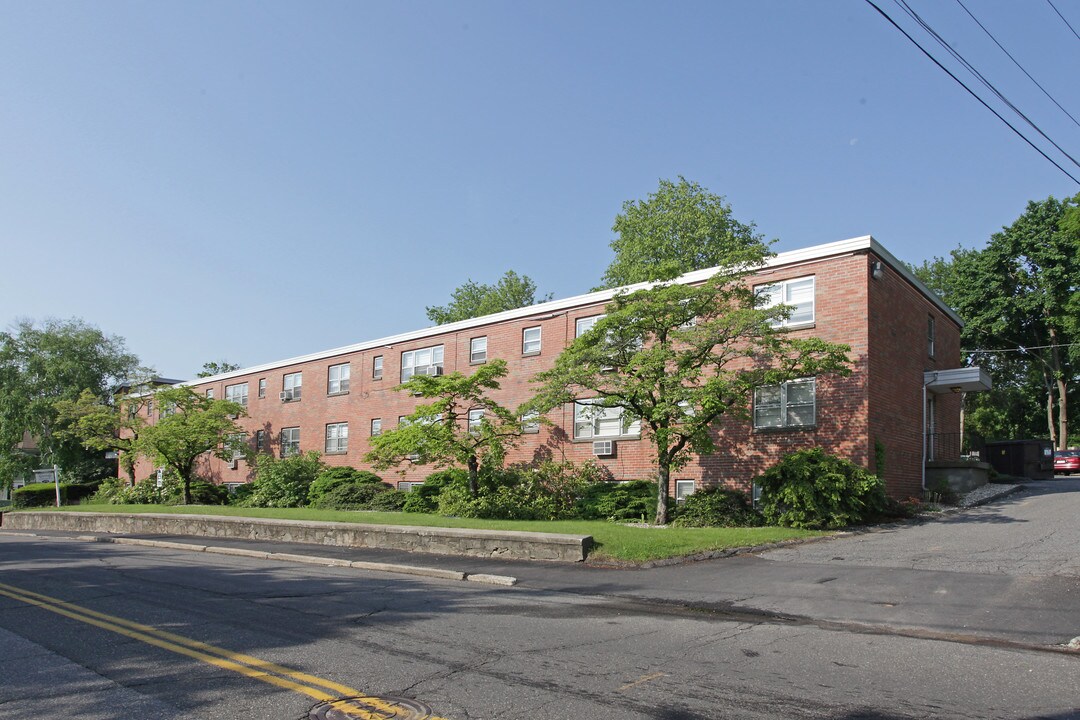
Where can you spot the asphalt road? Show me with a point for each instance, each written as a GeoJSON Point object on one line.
{"type": "Point", "coordinates": [713, 640]}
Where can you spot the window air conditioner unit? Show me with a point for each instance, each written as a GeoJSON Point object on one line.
{"type": "Point", "coordinates": [287, 395]}
{"type": "Point", "coordinates": [413, 457]}
{"type": "Point", "coordinates": [603, 448]}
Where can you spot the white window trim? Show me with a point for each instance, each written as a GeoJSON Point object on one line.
{"type": "Point", "coordinates": [242, 392]}
{"type": "Point", "coordinates": [377, 367]}
{"type": "Point", "coordinates": [337, 438]}
{"type": "Point", "coordinates": [538, 341]}
{"type": "Point", "coordinates": [680, 493]}
{"type": "Point", "coordinates": [778, 292]}
{"type": "Point", "coordinates": [475, 419]}
{"type": "Point", "coordinates": [590, 320]}
{"type": "Point", "coordinates": [294, 382]}
{"type": "Point", "coordinates": [408, 369]}
{"type": "Point", "coordinates": [376, 427]}
{"type": "Point", "coordinates": [478, 354]}
{"type": "Point", "coordinates": [343, 373]}
{"type": "Point", "coordinates": [290, 444]}
{"type": "Point", "coordinates": [783, 405]}
{"type": "Point", "coordinates": [530, 423]}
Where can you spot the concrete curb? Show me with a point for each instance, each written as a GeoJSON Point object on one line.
{"type": "Point", "coordinates": [418, 570]}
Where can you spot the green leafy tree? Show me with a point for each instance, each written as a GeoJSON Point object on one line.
{"type": "Point", "coordinates": [216, 368]}
{"type": "Point", "coordinates": [679, 228]}
{"type": "Point", "coordinates": [1019, 298]}
{"type": "Point", "coordinates": [112, 425]}
{"type": "Point", "coordinates": [680, 359]}
{"type": "Point", "coordinates": [473, 299]}
{"type": "Point", "coordinates": [42, 365]}
{"type": "Point", "coordinates": [191, 426]}
{"type": "Point", "coordinates": [439, 431]}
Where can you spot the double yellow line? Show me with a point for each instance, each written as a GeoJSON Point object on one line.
{"type": "Point", "coordinates": [343, 698]}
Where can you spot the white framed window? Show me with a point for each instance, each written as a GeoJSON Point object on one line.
{"type": "Point", "coordinates": [290, 441]}
{"type": "Point", "coordinates": [291, 385]}
{"type": "Point", "coordinates": [792, 404]}
{"type": "Point", "coordinates": [797, 293]}
{"type": "Point", "coordinates": [337, 438]}
{"type": "Point", "coordinates": [209, 393]}
{"type": "Point", "coordinates": [376, 427]}
{"type": "Point", "coordinates": [530, 422]}
{"type": "Point", "coordinates": [262, 387]}
{"type": "Point", "coordinates": [683, 490]}
{"type": "Point", "coordinates": [478, 349]}
{"type": "Point", "coordinates": [476, 417]}
{"type": "Point", "coordinates": [236, 442]}
{"type": "Point", "coordinates": [424, 361]}
{"type": "Point", "coordinates": [237, 393]}
{"type": "Point", "coordinates": [596, 421]}
{"type": "Point", "coordinates": [530, 341]}
{"type": "Point", "coordinates": [337, 379]}
{"type": "Point", "coordinates": [376, 367]}
{"type": "Point", "coordinates": [585, 324]}
{"type": "Point", "coordinates": [260, 441]}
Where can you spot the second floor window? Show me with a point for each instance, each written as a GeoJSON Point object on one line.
{"type": "Point", "coordinates": [478, 349]}
{"type": "Point", "coordinates": [930, 334]}
{"type": "Point", "coordinates": [376, 367]}
{"type": "Point", "coordinates": [425, 361]}
{"type": "Point", "coordinates": [237, 393]}
{"type": "Point", "coordinates": [476, 418]}
{"type": "Point", "coordinates": [262, 387]}
{"type": "Point", "coordinates": [291, 385]}
{"type": "Point", "coordinates": [376, 427]}
{"type": "Point", "coordinates": [337, 379]}
{"type": "Point", "coordinates": [595, 421]}
{"type": "Point", "coordinates": [260, 442]}
{"type": "Point", "coordinates": [797, 293]}
{"type": "Point", "coordinates": [530, 341]}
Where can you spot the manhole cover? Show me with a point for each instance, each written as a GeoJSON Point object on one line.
{"type": "Point", "coordinates": [370, 708]}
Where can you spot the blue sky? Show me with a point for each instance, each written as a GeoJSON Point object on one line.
{"type": "Point", "coordinates": [255, 181]}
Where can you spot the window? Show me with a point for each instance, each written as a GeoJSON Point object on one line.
{"type": "Point", "coordinates": [930, 335]}
{"type": "Point", "coordinates": [236, 442]}
{"type": "Point", "coordinates": [798, 293]}
{"type": "Point", "coordinates": [789, 405]}
{"type": "Point", "coordinates": [290, 441]}
{"type": "Point", "coordinates": [530, 341]}
{"type": "Point", "coordinates": [595, 421]}
{"type": "Point", "coordinates": [530, 422]}
{"type": "Point", "coordinates": [425, 361]}
{"type": "Point", "coordinates": [337, 379]}
{"type": "Point", "coordinates": [260, 442]}
{"type": "Point", "coordinates": [408, 485]}
{"type": "Point", "coordinates": [476, 418]}
{"type": "Point", "coordinates": [376, 427]}
{"type": "Point", "coordinates": [584, 325]}
{"type": "Point", "coordinates": [478, 349]}
{"type": "Point", "coordinates": [683, 489]}
{"type": "Point", "coordinates": [149, 408]}
{"type": "Point", "coordinates": [337, 438]}
{"type": "Point", "coordinates": [262, 387]}
{"type": "Point", "coordinates": [237, 393]}
{"type": "Point", "coordinates": [376, 367]}
{"type": "Point", "coordinates": [291, 385]}
{"type": "Point", "coordinates": [210, 393]}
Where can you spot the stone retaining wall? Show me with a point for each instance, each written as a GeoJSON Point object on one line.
{"type": "Point", "coordinates": [441, 541]}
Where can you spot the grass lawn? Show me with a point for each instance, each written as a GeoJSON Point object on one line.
{"type": "Point", "coordinates": [612, 541]}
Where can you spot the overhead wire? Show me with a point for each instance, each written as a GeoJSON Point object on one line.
{"type": "Point", "coordinates": [1051, 4]}
{"type": "Point", "coordinates": [971, 92]}
{"type": "Point", "coordinates": [1021, 348]}
{"type": "Point", "coordinates": [1017, 63]}
{"type": "Point", "coordinates": [971, 68]}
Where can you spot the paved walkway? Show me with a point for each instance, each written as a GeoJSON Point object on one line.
{"type": "Point", "coordinates": [1004, 573]}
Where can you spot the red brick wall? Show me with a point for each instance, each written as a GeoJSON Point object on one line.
{"type": "Point", "coordinates": [899, 355]}
{"type": "Point", "coordinates": [883, 322]}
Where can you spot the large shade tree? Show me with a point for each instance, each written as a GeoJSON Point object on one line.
{"type": "Point", "coordinates": [41, 365]}
{"type": "Point", "coordinates": [457, 422]}
{"type": "Point", "coordinates": [681, 359]}
{"type": "Point", "coordinates": [679, 228]}
{"type": "Point", "coordinates": [190, 427]}
{"type": "Point", "coordinates": [474, 299]}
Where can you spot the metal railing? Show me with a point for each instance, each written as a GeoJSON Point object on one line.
{"type": "Point", "coordinates": [943, 446]}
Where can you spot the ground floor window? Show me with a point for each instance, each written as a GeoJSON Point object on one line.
{"type": "Point", "coordinates": [792, 404]}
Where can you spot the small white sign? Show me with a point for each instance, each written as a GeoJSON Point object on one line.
{"type": "Point", "coordinates": [160, 477]}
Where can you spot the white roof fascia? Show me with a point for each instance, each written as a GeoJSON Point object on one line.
{"type": "Point", "coordinates": [790, 257]}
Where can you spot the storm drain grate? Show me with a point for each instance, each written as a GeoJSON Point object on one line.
{"type": "Point", "coordinates": [370, 708]}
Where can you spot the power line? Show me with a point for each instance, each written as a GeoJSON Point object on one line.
{"type": "Point", "coordinates": [982, 102]}
{"type": "Point", "coordinates": [1022, 348]}
{"type": "Point", "coordinates": [1016, 63]}
{"type": "Point", "coordinates": [971, 68]}
{"type": "Point", "coordinates": [1063, 19]}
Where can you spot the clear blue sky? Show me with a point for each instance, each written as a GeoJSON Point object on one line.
{"type": "Point", "coordinates": [253, 181]}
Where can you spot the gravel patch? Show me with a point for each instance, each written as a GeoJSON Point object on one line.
{"type": "Point", "coordinates": [986, 493]}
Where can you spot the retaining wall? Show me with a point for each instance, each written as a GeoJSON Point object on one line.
{"type": "Point", "coordinates": [440, 541]}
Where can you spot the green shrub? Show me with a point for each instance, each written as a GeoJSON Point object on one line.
{"type": "Point", "coordinates": [284, 482]}
{"type": "Point", "coordinates": [716, 507]}
{"type": "Point", "coordinates": [389, 501]}
{"type": "Point", "coordinates": [350, 497]}
{"type": "Point", "coordinates": [811, 489]}
{"type": "Point", "coordinates": [425, 498]}
{"type": "Point", "coordinates": [331, 478]}
{"type": "Point", "coordinates": [634, 500]}
{"type": "Point", "coordinates": [37, 495]}
{"type": "Point", "coordinates": [206, 493]}
{"type": "Point", "coordinates": [240, 494]}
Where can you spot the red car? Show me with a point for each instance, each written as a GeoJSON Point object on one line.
{"type": "Point", "coordinates": [1066, 462]}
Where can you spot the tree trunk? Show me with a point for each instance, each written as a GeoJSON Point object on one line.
{"type": "Point", "coordinates": [187, 486]}
{"type": "Point", "coordinates": [1050, 424]}
{"type": "Point", "coordinates": [474, 474]}
{"type": "Point", "coordinates": [1059, 381]}
{"type": "Point", "coordinates": [663, 476]}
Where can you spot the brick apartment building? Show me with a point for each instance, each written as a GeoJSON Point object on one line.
{"type": "Point", "coordinates": [900, 404]}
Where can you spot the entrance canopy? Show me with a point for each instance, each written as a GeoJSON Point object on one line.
{"type": "Point", "coordinates": [968, 379]}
